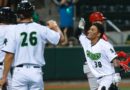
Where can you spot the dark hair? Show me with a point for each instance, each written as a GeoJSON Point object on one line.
{"type": "Point", "coordinates": [100, 28]}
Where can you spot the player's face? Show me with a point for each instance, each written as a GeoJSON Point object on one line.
{"type": "Point", "coordinates": [93, 33]}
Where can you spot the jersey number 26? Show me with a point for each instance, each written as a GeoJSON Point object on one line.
{"type": "Point", "coordinates": [28, 39]}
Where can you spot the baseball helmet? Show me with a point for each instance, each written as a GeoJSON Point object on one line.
{"type": "Point", "coordinates": [25, 9]}
{"type": "Point", "coordinates": [96, 16]}
{"type": "Point", "coordinates": [7, 15]}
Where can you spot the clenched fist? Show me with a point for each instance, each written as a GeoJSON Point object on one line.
{"type": "Point", "coordinates": [52, 24]}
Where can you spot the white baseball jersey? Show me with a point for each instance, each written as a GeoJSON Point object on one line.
{"type": "Point", "coordinates": [99, 56]}
{"type": "Point", "coordinates": [27, 41]}
{"type": "Point", "coordinates": [3, 30]}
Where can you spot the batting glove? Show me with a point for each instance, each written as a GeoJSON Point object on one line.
{"type": "Point", "coordinates": [116, 78]}
{"type": "Point", "coordinates": [86, 69]}
{"type": "Point", "coordinates": [81, 24]}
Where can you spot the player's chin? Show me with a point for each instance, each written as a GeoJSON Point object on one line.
{"type": "Point", "coordinates": [89, 36]}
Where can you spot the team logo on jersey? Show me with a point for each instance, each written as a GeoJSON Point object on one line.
{"type": "Point", "coordinates": [112, 51]}
{"type": "Point", "coordinates": [93, 56]}
{"type": "Point", "coordinates": [5, 41]}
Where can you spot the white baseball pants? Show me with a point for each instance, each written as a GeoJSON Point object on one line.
{"type": "Point", "coordinates": [27, 78]}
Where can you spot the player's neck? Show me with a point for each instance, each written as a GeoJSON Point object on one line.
{"type": "Point", "coordinates": [94, 41]}
{"type": "Point", "coordinates": [25, 20]}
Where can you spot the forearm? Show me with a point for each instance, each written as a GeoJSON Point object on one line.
{"type": "Point", "coordinates": [62, 38]}
{"type": "Point", "coordinates": [65, 40]}
{"type": "Point", "coordinates": [54, 26]}
{"type": "Point", "coordinates": [116, 64]}
{"type": "Point", "coordinates": [7, 64]}
{"type": "Point", "coordinates": [117, 76]}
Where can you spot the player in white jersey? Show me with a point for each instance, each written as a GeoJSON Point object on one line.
{"type": "Point", "coordinates": [95, 17]}
{"type": "Point", "coordinates": [25, 44]}
{"type": "Point", "coordinates": [100, 55]}
{"type": "Point", "coordinates": [7, 17]}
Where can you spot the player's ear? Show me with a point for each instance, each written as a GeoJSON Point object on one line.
{"type": "Point", "coordinates": [99, 34]}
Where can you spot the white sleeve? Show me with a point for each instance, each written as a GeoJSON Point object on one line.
{"type": "Point", "coordinates": [10, 42]}
{"type": "Point", "coordinates": [51, 36]}
{"type": "Point", "coordinates": [84, 41]}
{"type": "Point", "coordinates": [110, 52]}
{"type": "Point", "coordinates": [81, 39]}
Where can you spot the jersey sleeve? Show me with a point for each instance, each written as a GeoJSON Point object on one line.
{"type": "Point", "coordinates": [84, 41]}
{"type": "Point", "coordinates": [81, 38]}
{"type": "Point", "coordinates": [51, 36]}
{"type": "Point", "coordinates": [9, 42]}
{"type": "Point", "coordinates": [110, 52]}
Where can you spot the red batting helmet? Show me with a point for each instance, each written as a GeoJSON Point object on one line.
{"type": "Point", "coordinates": [96, 16]}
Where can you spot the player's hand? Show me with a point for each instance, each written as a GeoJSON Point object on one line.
{"type": "Point", "coordinates": [52, 24]}
{"type": "Point", "coordinates": [116, 78]}
{"type": "Point", "coordinates": [81, 24]}
{"type": "Point", "coordinates": [2, 82]}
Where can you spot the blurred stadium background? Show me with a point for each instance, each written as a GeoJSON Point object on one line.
{"type": "Point", "coordinates": [65, 63]}
{"type": "Point", "coordinates": [117, 11]}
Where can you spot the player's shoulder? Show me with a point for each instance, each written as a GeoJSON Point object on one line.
{"type": "Point", "coordinates": [39, 26]}
{"type": "Point", "coordinates": [105, 43]}
{"type": "Point", "coordinates": [12, 27]}
{"type": "Point", "coordinates": [82, 36]}
{"type": "Point", "coordinates": [83, 39]}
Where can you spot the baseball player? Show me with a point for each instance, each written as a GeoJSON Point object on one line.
{"type": "Point", "coordinates": [98, 17]}
{"type": "Point", "coordinates": [95, 17]}
{"type": "Point", "coordinates": [7, 17]}
{"type": "Point", "coordinates": [100, 57]}
{"type": "Point", "coordinates": [25, 49]}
